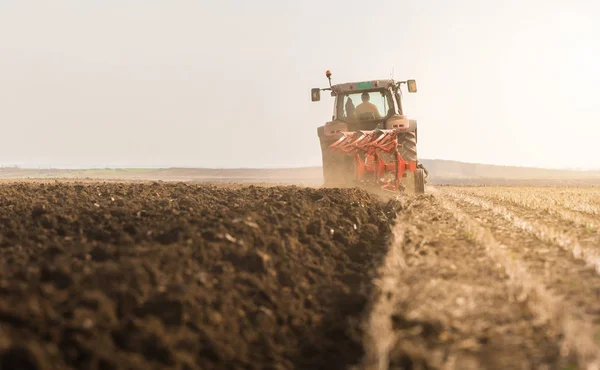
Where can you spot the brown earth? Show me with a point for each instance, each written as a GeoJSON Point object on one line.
{"type": "Point", "coordinates": [230, 276]}
{"type": "Point", "coordinates": [141, 276]}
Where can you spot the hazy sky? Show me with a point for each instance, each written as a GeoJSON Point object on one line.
{"type": "Point", "coordinates": [227, 83]}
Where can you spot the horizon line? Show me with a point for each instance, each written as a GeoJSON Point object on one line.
{"type": "Point", "coordinates": [164, 167]}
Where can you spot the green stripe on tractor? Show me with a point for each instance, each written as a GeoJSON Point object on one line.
{"type": "Point", "coordinates": [363, 85]}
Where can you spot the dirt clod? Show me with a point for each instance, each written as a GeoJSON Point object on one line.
{"type": "Point", "coordinates": [183, 276]}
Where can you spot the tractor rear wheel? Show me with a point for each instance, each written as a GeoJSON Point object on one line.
{"type": "Point", "coordinates": [407, 146]}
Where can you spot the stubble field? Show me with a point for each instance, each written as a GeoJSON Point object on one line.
{"type": "Point", "coordinates": [227, 276]}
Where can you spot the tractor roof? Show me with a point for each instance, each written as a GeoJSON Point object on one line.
{"type": "Point", "coordinates": [363, 85]}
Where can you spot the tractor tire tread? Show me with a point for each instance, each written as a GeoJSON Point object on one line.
{"type": "Point", "coordinates": [407, 146]}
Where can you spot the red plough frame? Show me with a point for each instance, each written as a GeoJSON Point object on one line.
{"type": "Point", "coordinates": [367, 147]}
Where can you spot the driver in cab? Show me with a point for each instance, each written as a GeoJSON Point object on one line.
{"type": "Point", "coordinates": [366, 107]}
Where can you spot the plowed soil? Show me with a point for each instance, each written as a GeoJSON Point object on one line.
{"type": "Point", "coordinates": [142, 276]}
{"type": "Point", "coordinates": [182, 276]}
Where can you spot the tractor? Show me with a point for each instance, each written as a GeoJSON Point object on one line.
{"type": "Point", "coordinates": [369, 142]}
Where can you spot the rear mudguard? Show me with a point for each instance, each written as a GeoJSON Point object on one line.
{"type": "Point", "coordinates": [412, 125]}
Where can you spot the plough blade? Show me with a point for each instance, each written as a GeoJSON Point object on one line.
{"type": "Point", "coordinates": [376, 157]}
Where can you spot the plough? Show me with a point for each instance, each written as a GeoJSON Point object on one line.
{"type": "Point", "coordinates": [376, 157]}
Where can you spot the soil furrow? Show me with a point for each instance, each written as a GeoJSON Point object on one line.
{"type": "Point", "coordinates": [380, 336]}
{"type": "Point", "coordinates": [572, 196]}
{"type": "Point", "coordinates": [545, 232]}
{"type": "Point", "coordinates": [530, 202]}
{"type": "Point", "coordinates": [566, 289]}
{"type": "Point", "coordinates": [454, 308]}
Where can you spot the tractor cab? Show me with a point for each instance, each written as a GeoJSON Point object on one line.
{"type": "Point", "coordinates": [366, 105]}
{"type": "Point", "coordinates": [363, 109]}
